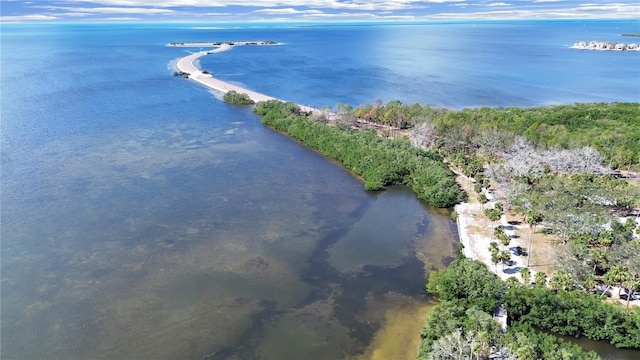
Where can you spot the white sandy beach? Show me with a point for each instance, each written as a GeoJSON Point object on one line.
{"type": "Point", "coordinates": [476, 233]}
{"type": "Point", "coordinates": [186, 65]}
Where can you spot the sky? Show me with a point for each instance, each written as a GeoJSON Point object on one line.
{"type": "Point", "coordinates": [311, 10]}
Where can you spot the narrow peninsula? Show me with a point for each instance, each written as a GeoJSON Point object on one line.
{"type": "Point", "coordinates": [188, 69]}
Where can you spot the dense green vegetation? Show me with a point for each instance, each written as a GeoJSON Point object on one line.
{"type": "Point", "coordinates": [530, 344]}
{"type": "Point", "coordinates": [462, 326]}
{"type": "Point", "coordinates": [380, 162]}
{"type": "Point", "coordinates": [236, 98]}
{"type": "Point", "coordinates": [552, 165]}
{"type": "Point", "coordinates": [613, 129]}
{"type": "Point", "coordinates": [574, 313]}
{"type": "Point", "coordinates": [548, 177]}
{"type": "Point", "coordinates": [467, 283]}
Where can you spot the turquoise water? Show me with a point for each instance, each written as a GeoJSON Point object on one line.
{"type": "Point", "coordinates": [143, 218]}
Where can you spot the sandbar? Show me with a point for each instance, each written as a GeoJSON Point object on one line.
{"type": "Point", "coordinates": [186, 65]}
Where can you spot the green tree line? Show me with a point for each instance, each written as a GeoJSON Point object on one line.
{"type": "Point", "coordinates": [613, 129]}
{"type": "Point", "coordinates": [461, 325]}
{"type": "Point", "coordinates": [574, 313]}
{"type": "Point", "coordinates": [380, 162]}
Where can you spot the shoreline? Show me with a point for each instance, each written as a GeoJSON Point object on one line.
{"type": "Point", "coordinates": [469, 214]}
{"type": "Point", "coordinates": [475, 232]}
{"type": "Point", "coordinates": [186, 65]}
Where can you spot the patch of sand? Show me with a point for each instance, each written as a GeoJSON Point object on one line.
{"type": "Point", "coordinates": [476, 233]}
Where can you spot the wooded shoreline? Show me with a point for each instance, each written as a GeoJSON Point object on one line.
{"type": "Point", "coordinates": [543, 162]}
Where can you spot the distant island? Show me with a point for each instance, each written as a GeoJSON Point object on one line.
{"type": "Point", "coordinates": [219, 43]}
{"type": "Point", "coordinates": [606, 46]}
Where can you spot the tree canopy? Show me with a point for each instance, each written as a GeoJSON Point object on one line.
{"type": "Point", "coordinates": [379, 161]}
{"type": "Point", "coordinates": [462, 326]}
{"type": "Point", "coordinates": [236, 98]}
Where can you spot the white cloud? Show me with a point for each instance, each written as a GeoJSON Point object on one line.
{"type": "Point", "coordinates": [217, 14]}
{"type": "Point", "coordinates": [332, 4]}
{"type": "Point", "coordinates": [586, 12]}
{"type": "Point", "coordinates": [444, 1]}
{"type": "Point", "coordinates": [341, 15]}
{"type": "Point", "coordinates": [360, 16]}
{"type": "Point", "coordinates": [107, 10]}
{"type": "Point", "coordinates": [121, 19]}
{"type": "Point", "coordinates": [609, 7]}
{"type": "Point", "coordinates": [275, 10]}
{"type": "Point", "coordinates": [34, 17]}
{"type": "Point", "coordinates": [74, 14]}
{"type": "Point", "coordinates": [286, 11]}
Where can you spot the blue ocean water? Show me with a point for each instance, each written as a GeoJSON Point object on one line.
{"type": "Point", "coordinates": [142, 217]}
{"type": "Point", "coordinates": [451, 65]}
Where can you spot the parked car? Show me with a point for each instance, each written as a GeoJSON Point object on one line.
{"type": "Point", "coordinates": [633, 296]}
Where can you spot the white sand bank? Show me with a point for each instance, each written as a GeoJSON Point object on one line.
{"type": "Point", "coordinates": [186, 65]}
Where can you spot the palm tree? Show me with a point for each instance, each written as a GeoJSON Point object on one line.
{"type": "Point", "coordinates": [616, 275]}
{"type": "Point", "coordinates": [505, 240]}
{"type": "Point", "coordinates": [525, 273]}
{"type": "Point", "coordinates": [589, 282]}
{"type": "Point", "coordinates": [456, 345]}
{"type": "Point", "coordinates": [561, 280]}
{"type": "Point", "coordinates": [598, 257]}
{"type": "Point", "coordinates": [505, 256]}
{"type": "Point", "coordinates": [501, 235]}
{"type": "Point", "coordinates": [630, 283]}
{"type": "Point", "coordinates": [627, 259]}
{"type": "Point", "coordinates": [482, 198]}
{"type": "Point", "coordinates": [540, 278]}
{"type": "Point", "coordinates": [495, 258]}
{"type": "Point", "coordinates": [533, 218]}
{"type": "Point", "coordinates": [606, 239]}
{"type": "Point", "coordinates": [492, 214]}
